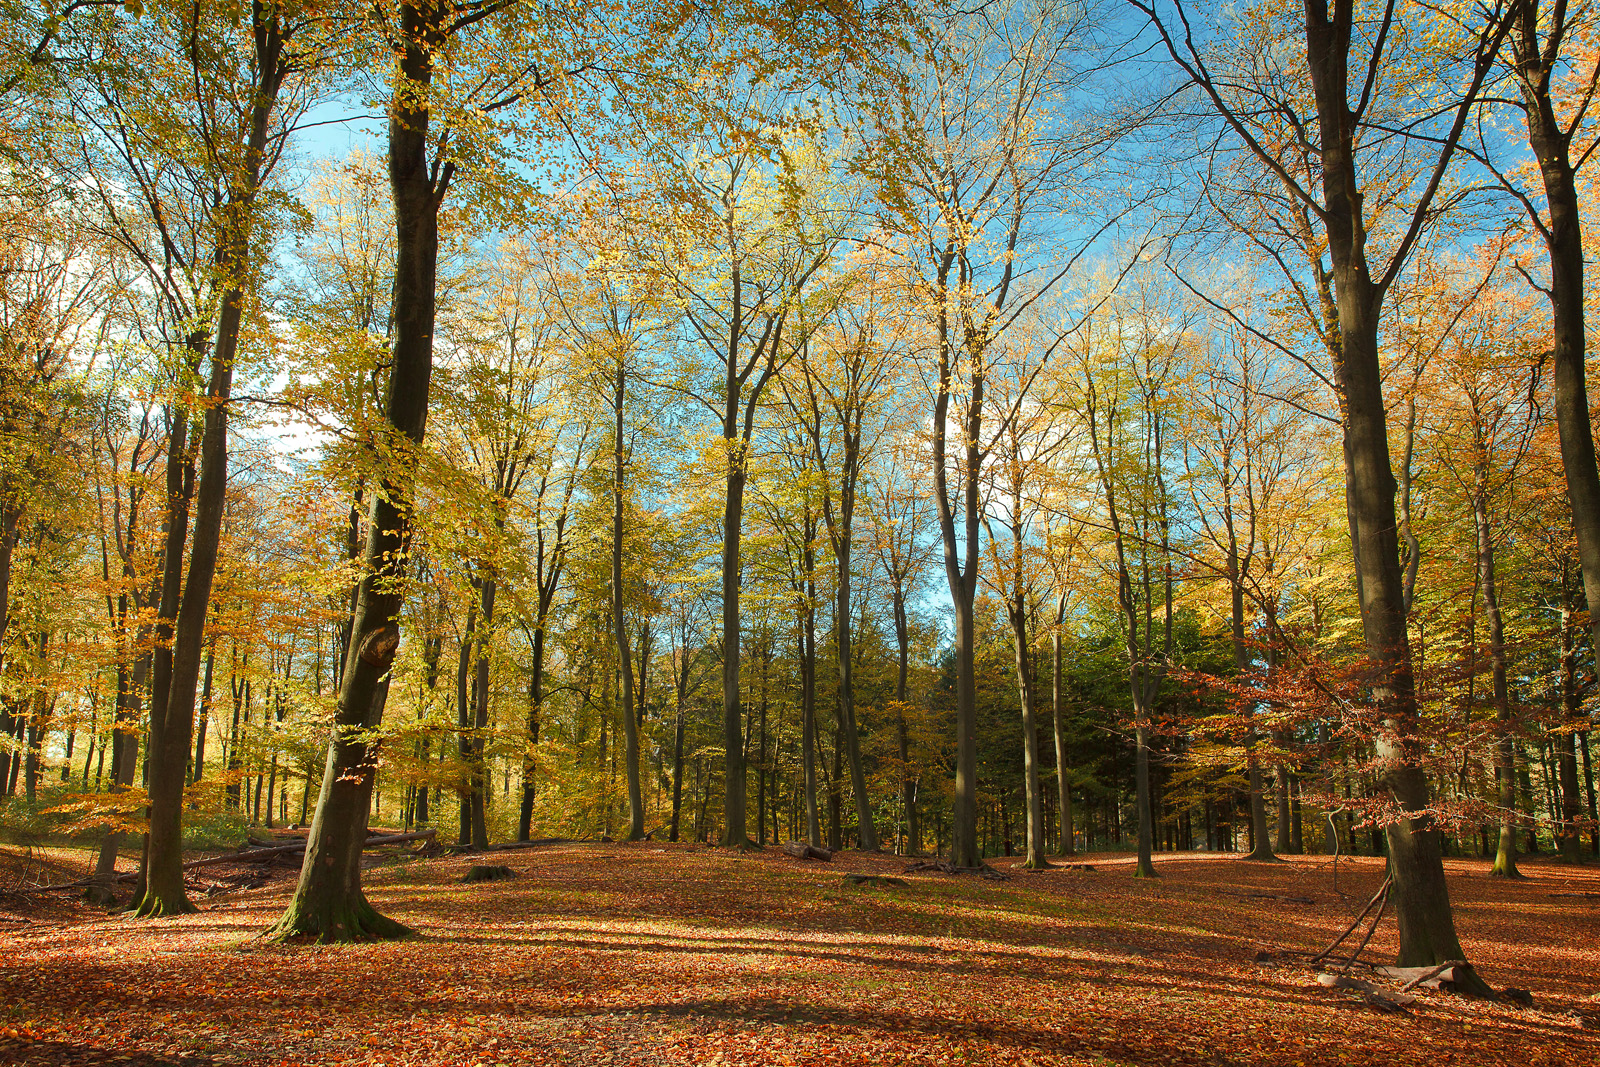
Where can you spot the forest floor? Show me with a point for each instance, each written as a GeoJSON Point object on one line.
{"type": "Point", "coordinates": [654, 954]}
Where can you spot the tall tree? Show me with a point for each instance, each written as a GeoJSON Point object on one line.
{"type": "Point", "coordinates": [1350, 99]}
{"type": "Point", "coordinates": [976, 155]}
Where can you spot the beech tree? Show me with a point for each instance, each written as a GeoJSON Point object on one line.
{"type": "Point", "coordinates": [977, 153]}
{"type": "Point", "coordinates": [1338, 59]}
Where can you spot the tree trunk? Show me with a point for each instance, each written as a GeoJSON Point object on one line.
{"type": "Point", "coordinates": [197, 771]}
{"type": "Point", "coordinates": [908, 781]}
{"type": "Point", "coordinates": [1505, 859]}
{"type": "Point", "coordinates": [734, 834]}
{"type": "Point", "coordinates": [808, 715]}
{"type": "Point", "coordinates": [328, 903]}
{"type": "Point", "coordinates": [630, 724]}
{"type": "Point", "coordinates": [1537, 64]}
{"type": "Point", "coordinates": [535, 706]}
{"type": "Point", "coordinates": [480, 713]}
{"type": "Point", "coordinates": [163, 874]}
{"type": "Point", "coordinates": [465, 694]}
{"type": "Point", "coordinates": [841, 536]}
{"type": "Point", "coordinates": [677, 767]}
{"type": "Point", "coordinates": [1422, 901]}
{"type": "Point", "coordinates": [1017, 610]}
{"type": "Point", "coordinates": [1063, 779]}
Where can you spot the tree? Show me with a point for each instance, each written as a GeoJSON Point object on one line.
{"type": "Point", "coordinates": [758, 244]}
{"type": "Point", "coordinates": [328, 904]}
{"type": "Point", "coordinates": [1339, 57]}
{"type": "Point", "coordinates": [978, 154]}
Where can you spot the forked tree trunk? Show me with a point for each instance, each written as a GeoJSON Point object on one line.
{"type": "Point", "coordinates": [1422, 900]}
{"type": "Point", "coordinates": [163, 892]}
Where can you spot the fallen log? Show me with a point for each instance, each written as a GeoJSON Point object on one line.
{"type": "Point", "coordinates": [945, 867]}
{"type": "Point", "coordinates": [1581, 896]}
{"type": "Point", "coordinates": [249, 855]}
{"type": "Point", "coordinates": [802, 851]}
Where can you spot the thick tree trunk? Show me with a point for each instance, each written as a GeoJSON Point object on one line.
{"type": "Point", "coordinates": [328, 903]}
{"type": "Point", "coordinates": [1536, 61]}
{"type": "Point", "coordinates": [163, 876]}
{"type": "Point", "coordinates": [1422, 900]}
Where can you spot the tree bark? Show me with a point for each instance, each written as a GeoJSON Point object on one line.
{"type": "Point", "coordinates": [1422, 900]}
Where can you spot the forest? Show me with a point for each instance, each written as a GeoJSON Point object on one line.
{"type": "Point", "coordinates": [1140, 437]}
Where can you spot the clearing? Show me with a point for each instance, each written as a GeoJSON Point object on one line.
{"type": "Point", "coordinates": [659, 954]}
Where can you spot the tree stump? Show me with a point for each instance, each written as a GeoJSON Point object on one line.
{"type": "Point", "coordinates": [874, 879]}
{"type": "Point", "coordinates": [484, 872]}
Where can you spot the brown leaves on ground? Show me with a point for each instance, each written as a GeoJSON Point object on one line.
{"type": "Point", "coordinates": [652, 954]}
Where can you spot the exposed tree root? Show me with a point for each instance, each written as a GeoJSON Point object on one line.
{"type": "Point", "coordinates": [337, 922]}
{"type": "Point", "coordinates": [158, 906]}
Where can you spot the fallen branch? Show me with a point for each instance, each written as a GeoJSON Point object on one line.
{"type": "Point", "coordinates": [1383, 895]}
{"type": "Point", "coordinates": [1381, 999]}
{"type": "Point", "coordinates": [1415, 976]}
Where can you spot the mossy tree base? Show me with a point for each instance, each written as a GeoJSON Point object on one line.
{"type": "Point", "coordinates": [1145, 869]}
{"type": "Point", "coordinates": [1264, 856]}
{"type": "Point", "coordinates": [161, 905]}
{"type": "Point", "coordinates": [336, 922]}
{"type": "Point", "coordinates": [1039, 864]}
